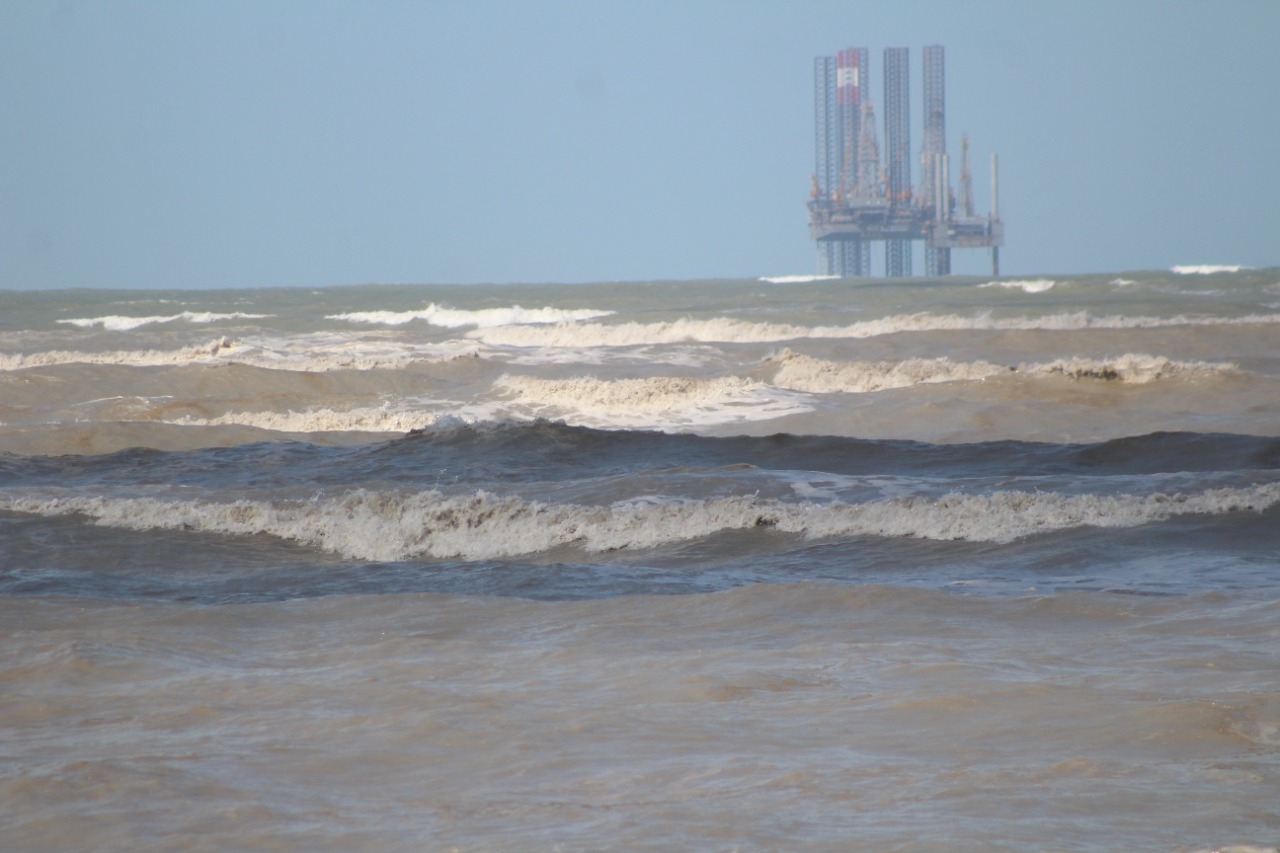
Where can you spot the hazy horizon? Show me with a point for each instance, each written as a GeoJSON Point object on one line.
{"type": "Point", "coordinates": [152, 145]}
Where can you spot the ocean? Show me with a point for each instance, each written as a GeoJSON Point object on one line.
{"type": "Point", "coordinates": [793, 564]}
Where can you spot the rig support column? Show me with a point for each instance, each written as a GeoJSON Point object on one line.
{"type": "Point", "coordinates": [995, 215]}
{"type": "Point", "coordinates": [897, 144]}
{"type": "Point", "coordinates": [934, 186]}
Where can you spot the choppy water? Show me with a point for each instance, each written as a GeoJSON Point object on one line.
{"type": "Point", "coordinates": [752, 565]}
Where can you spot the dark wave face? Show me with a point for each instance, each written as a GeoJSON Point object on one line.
{"type": "Point", "coordinates": [583, 512]}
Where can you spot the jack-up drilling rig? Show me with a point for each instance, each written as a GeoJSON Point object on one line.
{"type": "Point", "coordinates": [857, 200]}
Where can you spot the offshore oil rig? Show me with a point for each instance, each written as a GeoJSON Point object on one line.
{"type": "Point", "coordinates": [859, 198]}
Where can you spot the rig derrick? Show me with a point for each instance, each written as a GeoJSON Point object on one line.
{"type": "Point", "coordinates": [854, 201]}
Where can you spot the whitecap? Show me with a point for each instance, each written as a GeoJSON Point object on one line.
{"type": "Point", "coordinates": [796, 279]}
{"type": "Point", "coordinates": [800, 372]}
{"type": "Point", "coordinates": [655, 402]}
{"type": "Point", "coordinates": [118, 323]}
{"type": "Point", "coordinates": [1035, 285]}
{"type": "Point", "coordinates": [384, 525]}
{"type": "Point", "coordinates": [734, 330]}
{"type": "Point", "coordinates": [376, 419]}
{"type": "Point", "coordinates": [804, 373]}
{"type": "Point", "coordinates": [452, 318]}
{"type": "Point", "coordinates": [1206, 269]}
{"type": "Point", "coordinates": [1131, 368]}
{"type": "Point", "coordinates": [316, 353]}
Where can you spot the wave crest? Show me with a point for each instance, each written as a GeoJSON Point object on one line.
{"type": "Point", "coordinates": [1131, 368]}
{"type": "Point", "coordinates": [368, 419]}
{"type": "Point", "coordinates": [389, 526]}
{"type": "Point", "coordinates": [733, 330]}
{"type": "Point", "coordinates": [807, 374]}
{"type": "Point", "coordinates": [1034, 285]}
{"type": "Point", "coordinates": [484, 318]}
{"type": "Point", "coordinates": [309, 354]}
{"type": "Point", "coordinates": [638, 401]}
{"type": "Point", "coordinates": [818, 376]}
{"type": "Point", "coordinates": [1205, 269]}
{"type": "Point", "coordinates": [118, 323]}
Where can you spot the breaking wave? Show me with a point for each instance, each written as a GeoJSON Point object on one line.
{"type": "Point", "coordinates": [818, 376]}
{"type": "Point", "coordinates": [796, 279]}
{"type": "Point", "coordinates": [1035, 285]}
{"type": "Point", "coordinates": [117, 323]}
{"type": "Point", "coordinates": [388, 526]}
{"type": "Point", "coordinates": [368, 419]}
{"type": "Point", "coordinates": [645, 402]}
{"type": "Point", "coordinates": [485, 318]}
{"type": "Point", "coordinates": [799, 372]}
{"type": "Point", "coordinates": [1206, 269]}
{"type": "Point", "coordinates": [1132, 368]}
{"type": "Point", "coordinates": [310, 354]}
{"type": "Point", "coordinates": [732, 330]}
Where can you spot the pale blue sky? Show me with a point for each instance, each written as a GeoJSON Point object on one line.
{"type": "Point", "coordinates": [304, 142]}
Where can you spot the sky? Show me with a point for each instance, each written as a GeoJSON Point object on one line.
{"type": "Point", "coordinates": [254, 143]}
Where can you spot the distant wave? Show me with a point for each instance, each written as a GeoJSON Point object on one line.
{"type": "Point", "coordinates": [796, 279]}
{"type": "Point", "coordinates": [1206, 269]}
{"type": "Point", "coordinates": [135, 358]}
{"type": "Point", "coordinates": [382, 525]}
{"type": "Point", "coordinates": [733, 330]}
{"type": "Point", "coordinates": [452, 318]}
{"type": "Point", "coordinates": [1035, 285]}
{"type": "Point", "coordinates": [117, 323]}
{"type": "Point", "coordinates": [304, 354]}
{"type": "Point", "coordinates": [800, 372]}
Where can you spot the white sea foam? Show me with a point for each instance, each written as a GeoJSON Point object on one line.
{"type": "Point", "coordinates": [1132, 368]}
{"type": "Point", "coordinates": [309, 353]}
{"type": "Point", "coordinates": [383, 419]}
{"type": "Point", "coordinates": [733, 330]}
{"type": "Point", "coordinates": [800, 372]}
{"type": "Point", "coordinates": [1206, 269]}
{"type": "Point", "coordinates": [485, 318]}
{"type": "Point", "coordinates": [117, 323]}
{"type": "Point", "coordinates": [1034, 285]}
{"type": "Point", "coordinates": [689, 356]}
{"type": "Point", "coordinates": [377, 525]}
{"type": "Point", "coordinates": [207, 353]}
{"type": "Point", "coordinates": [656, 402]}
{"type": "Point", "coordinates": [796, 279]}
{"type": "Point", "coordinates": [804, 373]}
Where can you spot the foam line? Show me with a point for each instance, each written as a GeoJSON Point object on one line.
{"type": "Point", "coordinates": [388, 526]}
{"type": "Point", "coordinates": [1036, 285]}
{"type": "Point", "coordinates": [452, 318]}
{"type": "Point", "coordinates": [310, 354]}
{"type": "Point", "coordinates": [733, 330]}
{"type": "Point", "coordinates": [1206, 269]}
{"type": "Point", "coordinates": [638, 402]}
{"type": "Point", "coordinates": [798, 372]}
{"type": "Point", "coordinates": [117, 323]}
{"type": "Point", "coordinates": [368, 419]}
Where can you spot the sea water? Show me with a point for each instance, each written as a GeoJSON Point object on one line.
{"type": "Point", "coordinates": [778, 564]}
